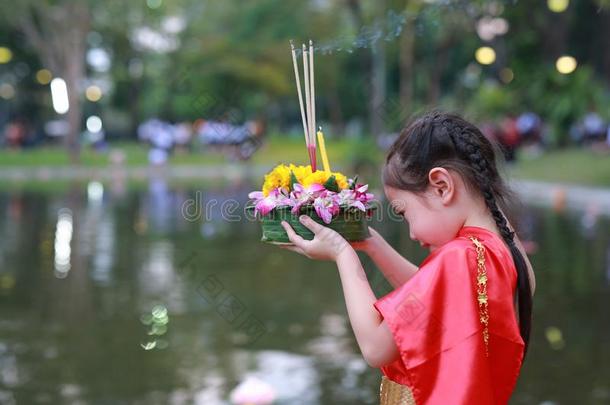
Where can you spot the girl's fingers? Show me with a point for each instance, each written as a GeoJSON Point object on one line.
{"type": "Point", "coordinates": [311, 224]}
{"type": "Point", "coordinates": [292, 236]}
{"type": "Point", "coordinates": [293, 248]}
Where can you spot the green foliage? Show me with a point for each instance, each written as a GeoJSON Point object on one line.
{"type": "Point", "coordinates": [562, 99]}
{"type": "Point", "coordinates": [492, 100]}
{"type": "Point", "coordinates": [331, 184]}
{"type": "Point", "coordinates": [233, 60]}
{"type": "Point", "coordinates": [293, 180]}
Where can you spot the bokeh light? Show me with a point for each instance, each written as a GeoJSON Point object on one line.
{"type": "Point", "coordinates": [507, 75]}
{"type": "Point", "coordinates": [485, 55]}
{"type": "Point", "coordinates": [93, 93]}
{"type": "Point", "coordinates": [94, 124]}
{"type": "Point", "coordinates": [95, 191]}
{"type": "Point", "coordinates": [558, 6]}
{"type": "Point", "coordinates": [59, 94]}
{"type": "Point", "coordinates": [154, 3]}
{"type": "Point", "coordinates": [7, 91]}
{"type": "Point", "coordinates": [566, 64]}
{"type": "Point", "coordinates": [5, 55]}
{"type": "Point", "coordinates": [63, 238]}
{"type": "Point", "coordinates": [44, 76]}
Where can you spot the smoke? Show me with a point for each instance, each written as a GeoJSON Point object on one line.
{"type": "Point", "coordinates": [391, 26]}
{"type": "Point", "coordinates": [387, 29]}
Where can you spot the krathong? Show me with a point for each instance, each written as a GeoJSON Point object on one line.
{"type": "Point", "coordinates": [288, 191]}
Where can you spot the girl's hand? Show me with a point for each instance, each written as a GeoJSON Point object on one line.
{"type": "Point", "coordinates": [367, 244]}
{"type": "Point", "coordinates": [327, 244]}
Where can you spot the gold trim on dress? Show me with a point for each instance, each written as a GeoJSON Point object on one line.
{"type": "Point", "coordinates": [482, 290]}
{"type": "Point", "coordinates": [393, 393]}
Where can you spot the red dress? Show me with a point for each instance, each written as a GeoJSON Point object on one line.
{"type": "Point", "coordinates": [435, 320]}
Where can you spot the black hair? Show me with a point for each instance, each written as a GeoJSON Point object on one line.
{"type": "Point", "coordinates": [446, 140]}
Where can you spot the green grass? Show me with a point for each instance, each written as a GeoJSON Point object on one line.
{"type": "Point", "coordinates": [282, 149]}
{"type": "Point", "coordinates": [577, 166]}
{"type": "Point", "coordinates": [276, 149]}
{"type": "Point", "coordinates": [56, 156]}
{"type": "Point", "coordinates": [574, 166]}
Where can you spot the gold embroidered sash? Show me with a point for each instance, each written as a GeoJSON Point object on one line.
{"type": "Point", "coordinates": [393, 393]}
{"type": "Point", "coordinates": [482, 290]}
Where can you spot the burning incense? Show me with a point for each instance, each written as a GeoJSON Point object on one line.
{"type": "Point", "coordinates": [298, 81]}
{"type": "Point", "coordinates": [311, 145]}
{"type": "Point", "coordinates": [312, 117]}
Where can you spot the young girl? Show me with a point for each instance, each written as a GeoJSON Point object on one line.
{"type": "Point", "coordinates": [456, 329]}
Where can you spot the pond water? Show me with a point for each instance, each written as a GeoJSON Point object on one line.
{"type": "Point", "coordinates": [125, 295]}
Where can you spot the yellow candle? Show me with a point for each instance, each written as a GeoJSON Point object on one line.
{"type": "Point", "coordinates": [323, 151]}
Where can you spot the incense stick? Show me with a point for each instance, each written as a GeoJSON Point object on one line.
{"type": "Point", "coordinates": [298, 82]}
{"type": "Point", "coordinates": [311, 146]}
{"type": "Point", "coordinates": [307, 91]}
{"type": "Point", "coordinates": [312, 117]}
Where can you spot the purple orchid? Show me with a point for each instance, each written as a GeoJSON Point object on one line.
{"type": "Point", "coordinates": [276, 198]}
{"type": "Point", "coordinates": [357, 198]}
{"type": "Point", "coordinates": [347, 198]}
{"type": "Point", "coordinates": [304, 195]}
{"type": "Point", "coordinates": [326, 206]}
{"type": "Point", "coordinates": [362, 195]}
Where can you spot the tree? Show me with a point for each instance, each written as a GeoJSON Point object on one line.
{"type": "Point", "coordinates": [57, 31]}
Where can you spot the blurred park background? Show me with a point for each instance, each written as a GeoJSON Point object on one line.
{"type": "Point", "coordinates": [126, 127]}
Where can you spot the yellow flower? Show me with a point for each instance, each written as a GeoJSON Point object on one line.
{"type": "Point", "coordinates": [278, 177]}
{"type": "Point", "coordinates": [320, 177]}
{"type": "Point", "coordinates": [341, 180]}
{"type": "Point", "coordinates": [301, 172]}
{"type": "Point", "coordinates": [317, 177]}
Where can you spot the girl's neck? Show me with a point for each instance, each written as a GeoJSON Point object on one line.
{"type": "Point", "coordinates": [482, 219]}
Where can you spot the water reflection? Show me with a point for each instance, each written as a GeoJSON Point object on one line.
{"type": "Point", "coordinates": [118, 297]}
{"type": "Point", "coordinates": [63, 238]}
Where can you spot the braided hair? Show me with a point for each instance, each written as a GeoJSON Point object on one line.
{"type": "Point", "coordinates": [446, 140]}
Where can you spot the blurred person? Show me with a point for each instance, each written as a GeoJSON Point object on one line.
{"type": "Point", "coordinates": [183, 135]}
{"type": "Point", "coordinates": [529, 128]}
{"type": "Point", "coordinates": [160, 135]}
{"type": "Point", "coordinates": [15, 133]}
{"type": "Point", "coordinates": [593, 126]}
{"type": "Point", "coordinates": [509, 137]}
{"type": "Point", "coordinates": [238, 142]}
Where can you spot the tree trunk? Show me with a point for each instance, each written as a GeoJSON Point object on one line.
{"type": "Point", "coordinates": [57, 32]}
{"type": "Point", "coordinates": [73, 74]}
{"type": "Point", "coordinates": [407, 45]}
{"type": "Point", "coordinates": [377, 104]}
{"type": "Point", "coordinates": [335, 111]}
{"type": "Point", "coordinates": [434, 85]}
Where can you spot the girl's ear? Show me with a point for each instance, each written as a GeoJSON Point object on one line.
{"type": "Point", "coordinates": [441, 184]}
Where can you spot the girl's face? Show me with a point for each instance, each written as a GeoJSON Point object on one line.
{"type": "Point", "coordinates": [432, 220]}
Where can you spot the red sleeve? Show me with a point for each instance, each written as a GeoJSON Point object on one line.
{"type": "Point", "coordinates": [434, 319]}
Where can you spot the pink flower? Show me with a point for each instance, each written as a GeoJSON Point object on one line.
{"type": "Point", "coordinates": [304, 195]}
{"type": "Point", "coordinates": [326, 203]}
{"type": "Point", "coordinates": [276, 198]}
{"type": "Point", "coordinates": [354, 198]}
{"type": "Point", "coordinates": [326, 206]}
{"type": "Point", "coordinates": [362, 195]}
